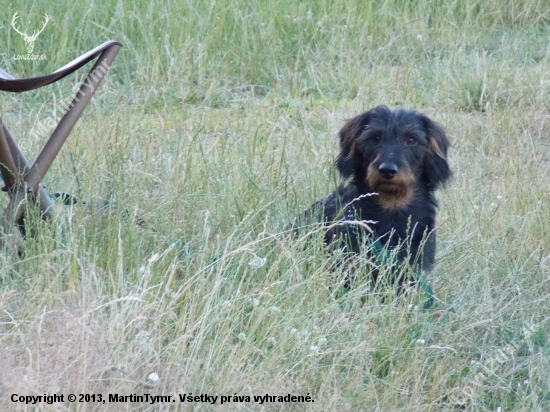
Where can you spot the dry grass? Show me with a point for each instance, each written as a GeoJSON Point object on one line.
{"type": "Point", "coordinates": [216, 127]}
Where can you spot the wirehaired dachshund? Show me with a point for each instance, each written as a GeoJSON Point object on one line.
{"type": "Point", "coordinates": [391, 162]}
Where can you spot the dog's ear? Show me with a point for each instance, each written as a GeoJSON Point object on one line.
{"type": "Point", "coordinates": [349, 159]}
{"type": "Point", "coordinates": [436, 166]}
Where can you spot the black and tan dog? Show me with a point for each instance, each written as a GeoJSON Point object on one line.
{"type": "Point", "coordinates": [392, 161]}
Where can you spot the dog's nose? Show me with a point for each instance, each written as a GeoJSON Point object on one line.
{"type": "Point", "coordinates": [388, 170]}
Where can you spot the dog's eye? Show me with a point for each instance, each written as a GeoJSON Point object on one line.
{"type": "Point", "coordinates": [411, 140]}
{"type": "Point", "coordinates": [375, 138]}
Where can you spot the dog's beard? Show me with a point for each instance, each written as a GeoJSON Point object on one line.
{"type": "Point", "coordinates": [393, 194]}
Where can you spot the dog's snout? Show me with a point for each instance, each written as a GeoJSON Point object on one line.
{"type": "Point", "coordinates": [388, 170]}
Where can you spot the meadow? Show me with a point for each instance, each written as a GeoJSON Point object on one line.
{"type": "Point", "coordinates": [216, 127]}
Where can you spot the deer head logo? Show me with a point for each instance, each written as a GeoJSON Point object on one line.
{"type": "Point", "coordinates": [29, 39]}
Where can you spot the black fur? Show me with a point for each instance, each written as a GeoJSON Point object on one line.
{"type": "Point", "coordinates": [392, 160]}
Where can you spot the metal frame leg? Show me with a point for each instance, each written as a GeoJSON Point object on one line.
{"type": "Point", "coordinates": [22, 180]}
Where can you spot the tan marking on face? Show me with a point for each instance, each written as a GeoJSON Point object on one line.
{"type": "Point", "coordinates": [391, 202]}
{"type": "Point", "coordinates": [393, 194]}
{"type": "Point", "coordinates": [406, 132]}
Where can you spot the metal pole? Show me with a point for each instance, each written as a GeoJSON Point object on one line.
{"type": "Point", "coordinates": [38, 170]}
{"type": "Point", "coordinates": [22, 166]}
{"type": "Point", "coordinates": [67, 122]}
{"type": "Point", "coordinates": [7, 164]}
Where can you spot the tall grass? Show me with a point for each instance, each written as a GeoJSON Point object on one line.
{"type": "Point", "coordinates": [215, 127]}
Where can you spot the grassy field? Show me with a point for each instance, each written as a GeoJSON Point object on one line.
{"type": "Point", "coordinates": [217, 126]}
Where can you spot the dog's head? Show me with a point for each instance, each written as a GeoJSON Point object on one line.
{"type": "Point", "coordinates": [393, 150]}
